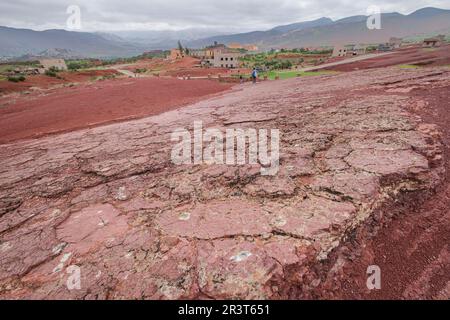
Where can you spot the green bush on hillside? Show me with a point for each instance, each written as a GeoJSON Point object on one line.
{"type": "Point", "coordinates": [16, 79]}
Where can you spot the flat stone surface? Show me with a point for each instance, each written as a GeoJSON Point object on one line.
{"type": "Point", "coordinates": [110, 201]}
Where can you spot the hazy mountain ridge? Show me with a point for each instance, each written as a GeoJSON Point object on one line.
{"type": "Point", "coordinates": [18, 42]}
{"type": "Point", "coordinates": [347, 30]}
{"type": "Point", "coordinates": [323, 31]}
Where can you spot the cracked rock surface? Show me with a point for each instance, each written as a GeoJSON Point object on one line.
{"type": "Point", "coordinates": [110, 201]}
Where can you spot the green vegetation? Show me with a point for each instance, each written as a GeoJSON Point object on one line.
{"type": "Point", "coordinates": [429, 49]}
{"type": "Point", "coordinates": [16, 78]}
{"type": "Point", "coordinates": [107, 77]}
{"type": "Point", "coordinates": [303, 51]}
{"type": "Point", "coordinates": [75, 65]}
{"type": "Point", "coordinates": [282, 59]}
{"type": "Point", "coordinates": [266, 61]}
{"type": "Point", "coordinates": [53, 72]}
{"type": "Point", "coordinates": [370, 49]}
{"type": "Point", "coordinates": [143, 70]}
{"type": "Point", "coordinates": [271, 75]}
{"type": "Point", "coordinates": [8, 67]}
{"type": "Point", "coordinates": [147, 55]}
{"type": "Point", "coordinates": [408, 66]}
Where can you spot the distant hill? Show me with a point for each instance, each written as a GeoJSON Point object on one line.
{"type": "Point", "coordinates": [303, 25]}
{"type": "Point", "coordinates": [56, 53]}
{"type": "Point", "coordinates": [19, 42]}
{"type": "Point", "coordinates": [260, 37]}
{"type": "Point", "coordinates": [324, 31]}
{"type": "Point", "coordinates": [26, 43]}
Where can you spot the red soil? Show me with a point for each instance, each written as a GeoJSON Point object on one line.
{"type": "Point", "coordinates": [420, 56]}
{"type": "Point", "coordinates": [413, 249]}
{"type": "Point", "coordinates": [67, 109]}
{"type": "Point", "coordinates": [188, 66]}
{"type": "Point", "coordinates": [45, 82]}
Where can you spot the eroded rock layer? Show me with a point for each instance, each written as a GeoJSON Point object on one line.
{"type": "Point", "coordinates": [110, 201]}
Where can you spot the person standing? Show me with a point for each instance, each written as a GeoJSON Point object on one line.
{"type": "Point", "coordinates": [254, 75]}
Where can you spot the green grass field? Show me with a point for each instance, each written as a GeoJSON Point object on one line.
{"type": "Point", "coordinates": [408, 66]}
{"type": "Point", "coordinates": [6, 67]}
{"type": "Point", "coordinates": [293, 74]}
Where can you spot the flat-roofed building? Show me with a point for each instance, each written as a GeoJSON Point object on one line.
{"type": "Point", "coordinates": [251, 47]}
{"type": "Point", "coordinates": [47, 64]}
{"type": "Point", "coordinates": [395, 42]}
{"type": "Point", "coordinates": [197, 53]}
{"type": "Point", "coordinates": [226, 59]}
{"type": "Point", "coordinates": [175, 54]}
{"type": "Point", "coordinates": [339, 51]}
{"type": "Point", "coordinates": [434, 41]}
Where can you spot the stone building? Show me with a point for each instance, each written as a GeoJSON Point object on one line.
{"type": "Point", "coordinates": [46, 64]}
{"type": "Point", "coordinates": [175, 54]}
{"type": "Point", "coordinates": [226, 59]}
{"type": "Point", "coordinates": [339, 51]}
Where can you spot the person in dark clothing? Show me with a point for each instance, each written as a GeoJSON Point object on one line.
{"type": "Point", "coordinates": [254, 75]}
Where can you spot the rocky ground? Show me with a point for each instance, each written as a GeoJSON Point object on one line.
{"type": "Point", "coordinates": [355, 154]}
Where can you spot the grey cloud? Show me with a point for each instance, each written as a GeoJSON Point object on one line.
{"type": "Point", "coordinates": [234, 15]}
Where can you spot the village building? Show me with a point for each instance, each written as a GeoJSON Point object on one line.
{"type": "Point", "coordinates": [197, 53]}
{"type": "Point", "coordinates": [235, 45]}
{"type": "Point", "coordinates": [218, 56]}
{"type": "Point", "coordinates": [339, 51]}
{"type": "Point", "coordinates": [176, 54]}
{"type": "Point", "coordinates": [395, 43]}
{"type": "Point", "coordinates": [47, 64]}
{"type": "Point", "coordinates": [434, 41]}
{"type": "Point", "coordinates": [247, 47]}
{"type": "Point", "coordinates": [210, 51]}
{"type": "Point", "coordinates": [359, 49]}
{"type": "Point", "coordinates": [385, 47]}
{"type": "Point", "coordinates": [251, 47]}
{"type": "Point", "coordinates": [226, 58]}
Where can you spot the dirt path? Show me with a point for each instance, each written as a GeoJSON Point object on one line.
{"type": "Point", "coordinates": [346, 61]}
{"type": "Point", "coordinates": [417, 55]}
{"type": "Point", "coordinates": [68, 109]}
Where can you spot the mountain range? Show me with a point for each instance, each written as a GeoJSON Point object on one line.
{"type": "Point", "coordinates": [320, 32]}
{"type": "Point", "coordinates": [326, 32]}
{"type": "Point", "coordinates": [18, 42]}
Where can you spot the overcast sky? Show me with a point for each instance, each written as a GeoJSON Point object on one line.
{"type": "Point", "coordinates": [232, 15]}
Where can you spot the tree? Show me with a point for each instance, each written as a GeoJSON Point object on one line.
{"type": "Point", "coordinates": [180, 47]}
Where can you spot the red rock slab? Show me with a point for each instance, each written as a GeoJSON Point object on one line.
{"type": "Point", "coordinates": [91, 227]}
{"type": "Point", "coordinates": [349, 149]}
{"type": "Point", "coordinates": [217, 219]}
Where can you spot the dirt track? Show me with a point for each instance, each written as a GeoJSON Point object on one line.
{"type": "Point", "coordinates": [67, 109]}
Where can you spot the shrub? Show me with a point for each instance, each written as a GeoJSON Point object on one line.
{"type": "Point", "coordinates": [74, 66]}
{"type": "Point", "coordinates": [143, 70]}
{"type": "Point", "coordinates": [50, 73]}
{"type": "Point", "coordinates": [81, 64]}
{"type": "Point", "coordinates": [16, 79]}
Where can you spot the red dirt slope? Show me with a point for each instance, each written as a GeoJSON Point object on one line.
{"type": "Point", "coordinates": [79, 107]}
{"type": "Point", "coordinates": [422, 56]}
